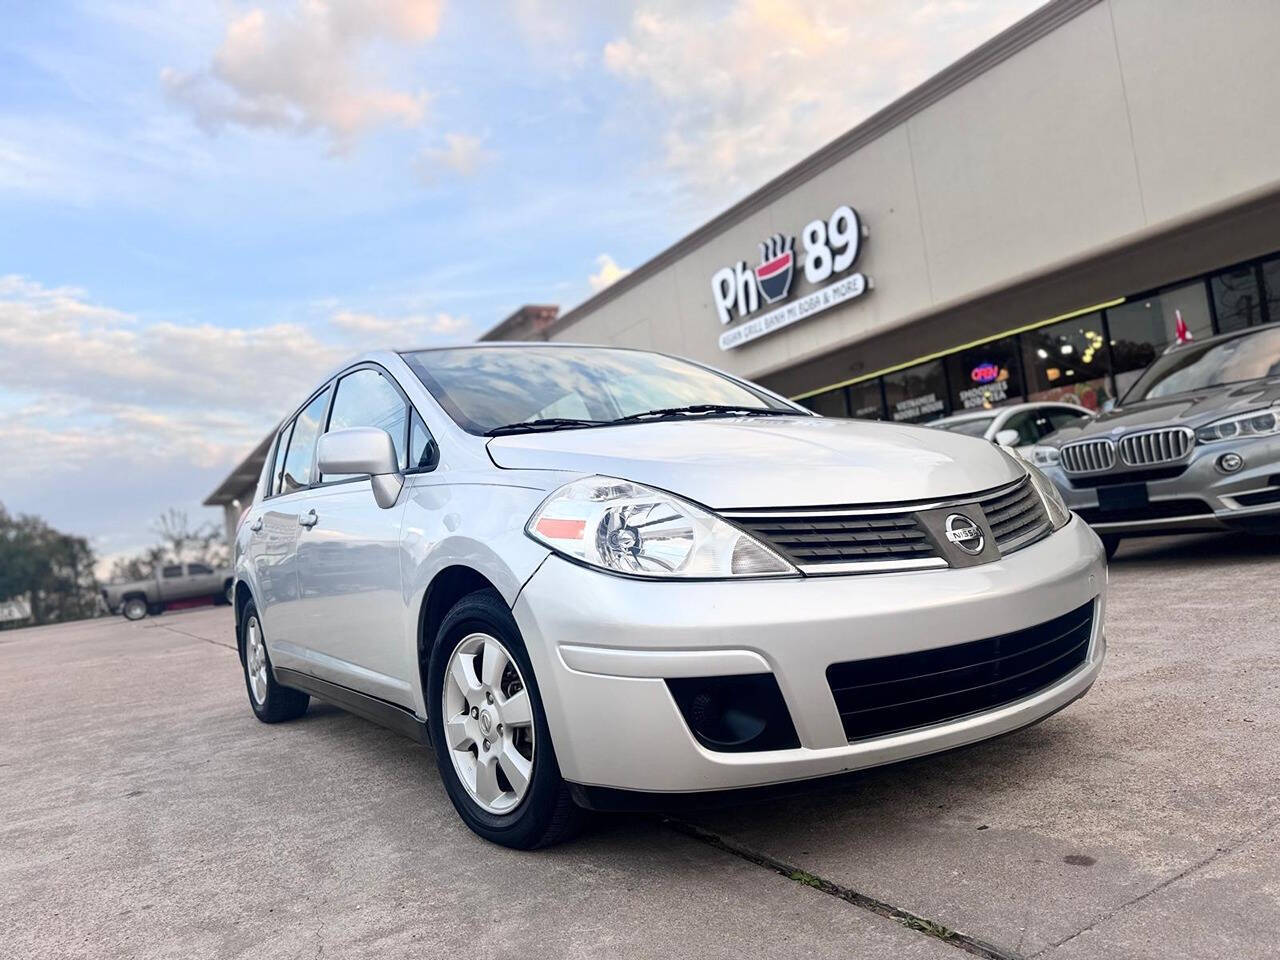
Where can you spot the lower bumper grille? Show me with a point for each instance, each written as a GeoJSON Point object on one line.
{"type": "Point", "coordinates": [886, 695]}
{"type": "Point", "coordinates": [1155, 510]}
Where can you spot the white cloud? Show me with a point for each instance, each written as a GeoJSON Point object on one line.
{"type": "Point", "coordinates": [309, 69]}
{"type": "Point", "coordinates": [462, 154]}
{"type": "Point", "coordinates": [747, 89]}
{"type": "Point", "coordinates": [608, 273]}
{"type": "Point", "coordinates": [397, 331]}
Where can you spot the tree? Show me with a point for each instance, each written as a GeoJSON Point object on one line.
{"type": "Point", "coordinates": [179, 542]}
{"type": "Point", "coordinates": [52, 568]}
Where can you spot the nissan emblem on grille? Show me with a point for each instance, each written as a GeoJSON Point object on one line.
{"type": "Point", "coordinates": [965, 534]}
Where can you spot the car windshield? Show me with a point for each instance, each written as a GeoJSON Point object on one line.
{"type": "Point", "coordinates": [1212, 364]}
{"type": "Point", "coordinates": [484, 388]}
{"type": "Point", "coordinates": [972, 427]}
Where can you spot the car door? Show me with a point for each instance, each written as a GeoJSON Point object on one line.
{"type": "Point", "coordinates": [273, 532]}
{"type": "Point", "coordinates": [202, 581]}
{"type": "Point", "coordinates": [171, 582]}
{"type": "Point", "coordinates": [352, 606]}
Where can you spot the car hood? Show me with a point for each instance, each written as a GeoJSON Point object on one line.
{"type": "Point", "coordinates": [1193, 409]}
{"type": "Point", "coordinates": [770, 461]}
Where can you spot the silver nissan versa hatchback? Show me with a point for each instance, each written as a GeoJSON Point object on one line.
{"type": "Point", "coordinates": [592, 577]}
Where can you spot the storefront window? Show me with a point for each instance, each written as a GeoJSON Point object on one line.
{"type": "Point", "coordinates": [1236, 298]}
{"type": "Point", "coordinates": [986, 376]}
{"type": "Point", "coordinates": [918, 393]}
{"type": "Point", "coordinates": [1140, 330]}
{"type": "Point", "coordinates": [829, 404]}
{"type": "Point", "coordinates": [1271, 291]}
{"type": "Point", "coordinates": [866, 401]}
{"type": "Point", "coordinates": [1068, 361]}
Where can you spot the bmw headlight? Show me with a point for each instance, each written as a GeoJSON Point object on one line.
{"type": "Point", "coordinates": [628, 528]}
{"type": "Point", "coordinates": [1057, 509]}
{"type": "Point", "coordinates": [1242, 426]}
{"type": "Point", "coordinates": [1043, 456]}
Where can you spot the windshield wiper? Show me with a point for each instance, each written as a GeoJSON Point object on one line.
{"type": "Point", "coordinates": [703, 409]}
{"type": "Point", "coordinates": [546, 423]}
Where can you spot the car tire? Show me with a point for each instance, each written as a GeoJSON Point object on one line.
{"type": "Point", "coordinates": [134, 608]}
{"type": "Point", "coordinates": [480, 630]}
{"type": "Point", "coordinates": [1110, 543]}
{"type": "Point", "coordinates": [271, 702]}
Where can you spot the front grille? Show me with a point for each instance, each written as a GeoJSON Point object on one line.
{"type": "Point", "coordinates": [885, 695]}
{"type": "Point", "coordinates": [1017, 515]}
{"type": "Point", "coordinates": [1156, 446]}
{"type": "Point", "coordinates": [844, 538]}
{"type": "Point", "coordinates": [1088, 456]}
{"type": "Point", "coordinates": [889, 537]}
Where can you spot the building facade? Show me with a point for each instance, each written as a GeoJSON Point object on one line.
{"type": "Point", "coordinates": [1032, 223]}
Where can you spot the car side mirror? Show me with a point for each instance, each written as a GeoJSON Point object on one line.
{"type": "Point", "coordinates": [366, 450]}
{"type": "Point", "coordinates": [1007, 438]}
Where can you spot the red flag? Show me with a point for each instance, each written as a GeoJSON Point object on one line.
{"type": "Point", "coordinates": [1180, 328]}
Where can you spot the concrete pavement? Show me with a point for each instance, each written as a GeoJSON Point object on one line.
{"type": "Point", "coordinates": [146, 813]}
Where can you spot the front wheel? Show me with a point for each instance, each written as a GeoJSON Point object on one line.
{"type": "Point", "coordinates": [135, 608]}
{"type": "Point", "coordinates": [492, 744]}
{"type": "Point", "coordinates": [271, 702]}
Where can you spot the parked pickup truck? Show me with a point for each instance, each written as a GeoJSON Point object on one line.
{"type": "Point", "coordinates": [170, 583]}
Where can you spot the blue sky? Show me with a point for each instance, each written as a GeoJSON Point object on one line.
{"type": "Point", "coordinates": [204, 206]}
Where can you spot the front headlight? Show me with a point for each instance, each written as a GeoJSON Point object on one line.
{"type": "Point", "coordinates": [1045, 456]}
{"type": "Point", "coordinates": [1242, 426]}
{"type": "Point", "coordinates": [1054, 505]}
{"type": "Point", "coordinates": [628, 528]}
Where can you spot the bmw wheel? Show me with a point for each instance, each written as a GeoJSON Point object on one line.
{"type": "Point", "coordinates": [271, 702]}
{"type": "Point", "coordinates": [492, 744]}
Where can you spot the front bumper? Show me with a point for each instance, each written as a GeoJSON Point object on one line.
{"type": "Point", "coordinates": [603, 646]}
{"type": "Point", "coordinates": [1227, 501]}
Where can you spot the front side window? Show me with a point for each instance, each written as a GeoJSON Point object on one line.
{"type": "Point", "coordinates": [975, 427]}
{"type": "Point", "coordinates": [366, 399]}
{"type": "Point", "coordinates": [299, 459]}
{"type": "Point", "coordinates": [1200, 366]}
{"type": "Point", "coordinates": [198, 569]}
{"type": "Point", "coordinates": [1142, 328]}
{"type": "Point", "coordinates": [483, 388]}
{"type": "Point", "coordinates": [170, 573]}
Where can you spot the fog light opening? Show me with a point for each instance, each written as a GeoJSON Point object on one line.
{"type": "Point", "coordinates": [735, 714]}
{"type": "Point", "coordinates": [1230, 462]}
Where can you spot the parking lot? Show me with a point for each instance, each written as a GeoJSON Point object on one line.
{"type": "Point", "coordinates": [147, 814]}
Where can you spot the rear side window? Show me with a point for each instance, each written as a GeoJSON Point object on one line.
{"type": "Point", "coordinates": [366, 399]}
{"type": "Point", "coordinates": [299, 459]}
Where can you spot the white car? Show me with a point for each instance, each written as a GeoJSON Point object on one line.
{"type": "Point", "coordinates": [1019, 426]}
{"type": "Point", "coordinates": [589, 576]}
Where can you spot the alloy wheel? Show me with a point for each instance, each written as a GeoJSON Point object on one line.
{"type": "Point", "coordinates": [255, 661]}
{"type": "Point", "coordinates": [488, 723]}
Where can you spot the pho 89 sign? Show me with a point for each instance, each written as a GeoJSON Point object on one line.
{"type": "Point", "coordinates": [831, 247]}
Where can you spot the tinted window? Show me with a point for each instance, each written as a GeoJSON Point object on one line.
{"type": "Point", "coordinates": [986, 376]}
{"type": "Point", "coordinates": [1064, 418]}
{"type": "Point", "coordinates": [423, 453]}
{"type": "Point", "coordinates": [971, 428]}
{"type": "Point", "coordinates": [829, 404]}
{"type": "Point", "coordinates": [486, 387]}
{"type": "Point", "coordinates": [1067, 361]}
{"type": "Point", "coordinates": [300, 457]}
{"type": "Point", "coordinates": [197, 569]}
{"type": "Point", "coordinates": [916, 394]}
{"type": "Point", "coordinates": [366, 399]}
{"type": "Point", "coordinates": [1237, 299]}
{"type": "Point", "coordinates": [170, 572]}
{"type": "Point", "coordinates": [1197, 366]}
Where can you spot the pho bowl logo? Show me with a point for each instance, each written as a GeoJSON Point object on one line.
{"type": "Point", "coordinates": [965, 534]}
{"type": "Point", "coordinates": [777, 266]}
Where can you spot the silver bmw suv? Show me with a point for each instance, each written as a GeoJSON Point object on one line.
{"type": "Point", "coordinates": [1194, 445]}
{"type": "Point", "coordinates": [590, 576]}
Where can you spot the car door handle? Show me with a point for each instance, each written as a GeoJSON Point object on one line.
{"type": "Point", "coordinates": [256, 526]}
{"type": "Point", "coordinates": [308, 519]}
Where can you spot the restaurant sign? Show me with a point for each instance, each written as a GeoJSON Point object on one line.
{"type": "Point", "coordinates": [831, 247]}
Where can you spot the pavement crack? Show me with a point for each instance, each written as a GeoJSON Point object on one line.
{"type": "Point", "coordinates": [1199, 865]}
{"type": "Point", "coordinates": [194, 636]}
{"type": "Point", "coordinates": [912, 921]}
